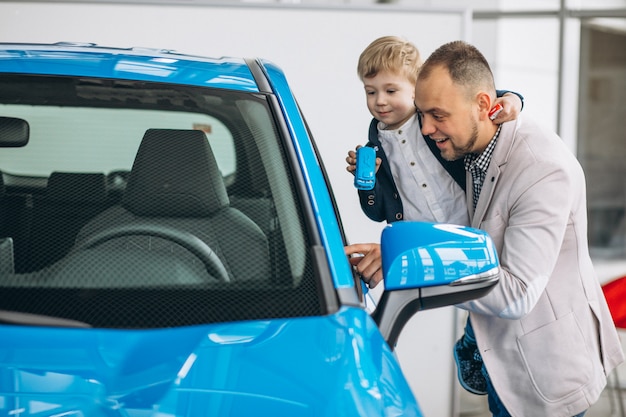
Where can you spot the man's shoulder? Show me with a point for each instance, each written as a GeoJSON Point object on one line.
{"type": "Point", "coordinates": [533, 143]}
{"type": "Point", "coordinates": [535, 136]}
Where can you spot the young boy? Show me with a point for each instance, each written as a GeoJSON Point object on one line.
{"type": "Point", "coordinates": [413, 181]}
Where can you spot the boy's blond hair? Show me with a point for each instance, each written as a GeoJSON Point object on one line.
{"type": "Point", "coordinates": [390, 53]}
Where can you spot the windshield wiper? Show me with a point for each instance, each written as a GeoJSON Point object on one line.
{"type": "Point", "coordinates": [28, 319]}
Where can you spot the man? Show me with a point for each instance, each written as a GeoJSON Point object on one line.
{"type": "Point", "coordinates": [545, 333]}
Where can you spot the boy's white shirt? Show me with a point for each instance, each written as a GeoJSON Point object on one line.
{"type": "Point", "coordinates": [428, 192]}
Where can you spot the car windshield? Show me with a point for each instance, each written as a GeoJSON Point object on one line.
{"type": "Point", "coordinates": [139, 205]}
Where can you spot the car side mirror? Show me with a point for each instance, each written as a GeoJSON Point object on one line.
{"type": "Point", "coordinates": [430, 265]}
{"type": "Point", "coordinates": [14, 132]}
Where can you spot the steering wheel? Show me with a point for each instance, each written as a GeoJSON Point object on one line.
{"type": "Point", "coordinates": [197, 247]}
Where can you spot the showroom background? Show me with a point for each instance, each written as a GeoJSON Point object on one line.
{"type": "Point", "coordinates": [568, 60]}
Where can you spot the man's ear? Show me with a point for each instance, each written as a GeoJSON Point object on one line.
{"type": "Point", "coordinates": [485, 102]}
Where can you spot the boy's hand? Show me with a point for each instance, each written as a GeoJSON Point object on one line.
{"type": "Point", "coordinates": [511, 108]}
{"type": "Point", "coordinates": [351, 160]}
{"type": "Point", "coordinates": [367, 262]}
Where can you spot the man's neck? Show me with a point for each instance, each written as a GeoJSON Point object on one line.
{"type": "Point", "coordinates": [484, 137]}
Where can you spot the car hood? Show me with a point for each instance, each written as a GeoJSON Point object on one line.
{"type": "Point", "coordinates": [318, 366]}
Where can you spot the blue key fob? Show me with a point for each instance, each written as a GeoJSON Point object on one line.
{"type": "Point", "coordinates": [365, 174]}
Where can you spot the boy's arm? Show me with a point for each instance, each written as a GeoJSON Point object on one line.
{"type": "Point", "coordinates": [502, 93]}
{"type": "Point", "coordinates": [512, 105]}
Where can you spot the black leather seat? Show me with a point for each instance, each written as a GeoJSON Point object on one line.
{"type": "Point", "coordinates": [70, 201]}
{"type": "Point", "coordinates": [15, 223]}
{"type": "Point", "coordinates": [175, 183]}
{"type": "Point", "coordinates": [6, 241]}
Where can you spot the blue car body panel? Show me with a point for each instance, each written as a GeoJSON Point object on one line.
{"type": "Point", "coordinates": [448, 253]}
{"type": "Point", "coordinates": [318, 189]}
{"type": "Point", "coordinates": [322, 366]}
{"type": "Point", "coordinates": [133, 64]}
{"type": "Point", "coordinates": [336, 365]}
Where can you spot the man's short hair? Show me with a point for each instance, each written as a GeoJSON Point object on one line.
{"type": "Point", "coordinates": [466, 65]}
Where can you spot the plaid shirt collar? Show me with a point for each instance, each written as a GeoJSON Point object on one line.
{"type": "Point", "coordinates": [483, 159]}
{"type": "Point", "coordinates": [477, 164]}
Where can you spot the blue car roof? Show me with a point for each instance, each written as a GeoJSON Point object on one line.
{"type": "Point", "coordinates": [142, 64]}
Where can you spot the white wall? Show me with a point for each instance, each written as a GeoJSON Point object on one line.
{"type": "Point", "coordinates": [527, 64]}
{"type": "Point", "coordinates": [318, 48]}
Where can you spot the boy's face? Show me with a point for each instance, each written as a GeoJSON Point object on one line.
{"type": "Point", "coordinates": [390, 98]}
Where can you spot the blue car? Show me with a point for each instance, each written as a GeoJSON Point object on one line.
{"type": "Point", "coordinates": [170, 246]}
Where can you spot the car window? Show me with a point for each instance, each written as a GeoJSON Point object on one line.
{"type": "Point", "coordinates": [112, 134]}
{"type": "Point", "coordinates": [139, 204]}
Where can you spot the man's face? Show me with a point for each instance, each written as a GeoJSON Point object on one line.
{"type": "Point", "coordinates": [448, 117]}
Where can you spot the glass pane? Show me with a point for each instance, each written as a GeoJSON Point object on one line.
{"type": "Point", "coordinates": [139, 204]}
{"type": "Point", "coordinates": [602, 148]}
{"type": "Point", "coordinates": [483, 5]}
{"type": "Point", "coordinates": [595, 4]}
{"type": "Point", "coordinates": [111, 134]}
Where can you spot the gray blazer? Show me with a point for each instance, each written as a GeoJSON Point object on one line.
{"type": "Point", "coordinates": [545, 332]}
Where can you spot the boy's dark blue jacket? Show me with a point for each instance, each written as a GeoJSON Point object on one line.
{"type": "Point", "coordinates": [383, 202]}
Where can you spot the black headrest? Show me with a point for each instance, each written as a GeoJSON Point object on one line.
{"type": "Point", "coordinates": [175, 175]}
{"type": "Point", "coordinates": [77, 187]}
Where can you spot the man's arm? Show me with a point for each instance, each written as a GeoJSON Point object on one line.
{"type": "Point", "coordinates": [367, 261]}
{"type": "Point", "coordinates": [527, 226]}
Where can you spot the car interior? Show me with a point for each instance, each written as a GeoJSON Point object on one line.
{"type": "Point", "coordinates": [146, 191]}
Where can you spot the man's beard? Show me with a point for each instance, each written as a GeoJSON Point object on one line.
{"type": "Point", "coordinates": [457, 152]}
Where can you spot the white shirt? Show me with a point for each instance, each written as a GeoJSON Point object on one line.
{"type": "Point", "coordinates": [428, 192]}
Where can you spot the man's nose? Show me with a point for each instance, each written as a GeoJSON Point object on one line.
{"type": "Point", "coordinates": [428, 128]}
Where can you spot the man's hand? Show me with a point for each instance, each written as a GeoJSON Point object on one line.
{"type": "Point", "coordinates": [367, 260]}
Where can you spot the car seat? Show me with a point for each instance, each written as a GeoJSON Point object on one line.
{"type": "Point", "coordinates": [175, 182]}
{"type": "Point", "coordinates": [70, 201]}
